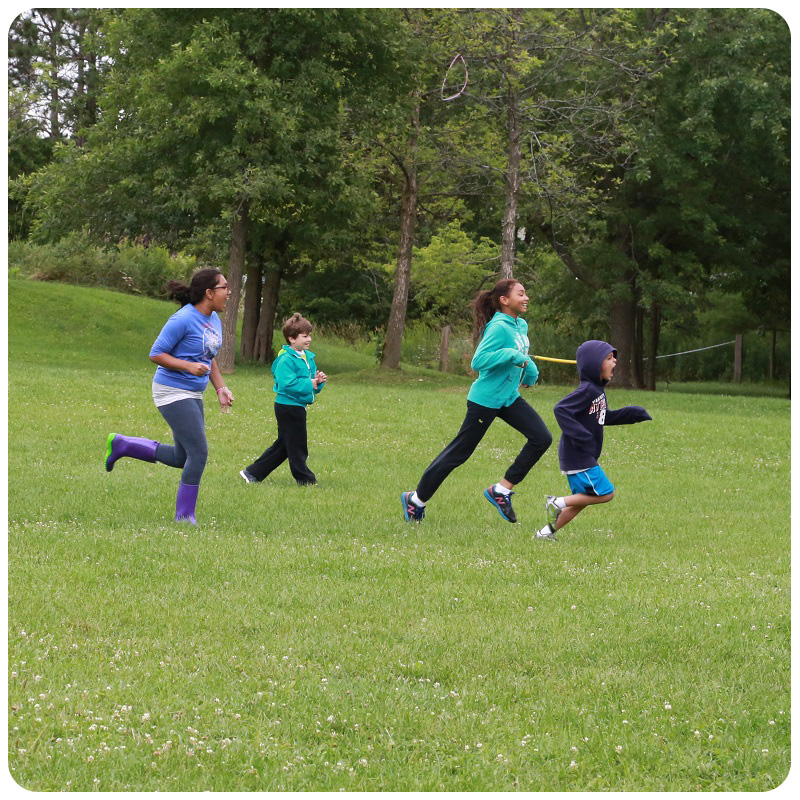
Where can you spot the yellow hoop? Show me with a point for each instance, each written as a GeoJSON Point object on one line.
{"type": "Point", "coordinates": [556, 360]}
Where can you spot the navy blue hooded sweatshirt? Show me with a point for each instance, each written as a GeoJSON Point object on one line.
{"type": "Point", "coordinates": [582, 414]}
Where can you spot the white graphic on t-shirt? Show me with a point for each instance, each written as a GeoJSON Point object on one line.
{"type": "Point", "coordinates": [212, 341]}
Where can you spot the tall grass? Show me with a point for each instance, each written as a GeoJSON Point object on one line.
{"type": "Point", "coordinates": [309, 639]}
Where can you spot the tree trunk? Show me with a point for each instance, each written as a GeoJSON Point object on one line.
{"type": "Point", "coordinates": [655, 335]}
{"type": "Point", "coordinates": [227, 353]}
{"type": "Point", "coordinates": [512, 184]}
{"type": "Point", "coordinates": [252, 306]}
{"type": "Point", "coordinates": [444, 350]}
{"type": "Point", "coordinates": [514, 165]}
{"type": "Point", "coordinates": [772, 352]}
{"type": "Point", "coordinates": [622, 318]}
{"type": "Point", "coordinates": [266, 320]}
{"type": "Point", "coordinates": [55, 124]}
{"type": "Point", "coordinates": [638, 347]}
{"type": "Point", "coordinates": [737, 358]}
{"type": "Point", "coordinates": [402, 276]}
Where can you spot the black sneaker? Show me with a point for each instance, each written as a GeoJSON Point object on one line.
{"type": "Point", "coordinates": [411, 511]}
{"type": "Point", "coordinates": [502, 502]}
{"type": "Point", "coordinates": [248, 478]}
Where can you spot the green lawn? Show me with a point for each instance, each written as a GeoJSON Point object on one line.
{"type": "Point", "coordinates": [310, 639]}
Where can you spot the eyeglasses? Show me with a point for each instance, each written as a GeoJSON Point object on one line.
{"type": "Point", "coordinates": [226, 287]}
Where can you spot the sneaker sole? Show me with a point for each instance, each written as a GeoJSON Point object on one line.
{"type": "Point", "coordinates": [405, 505]}
{"type": "Point", "coordinates": [495, 504]}
{"type": "Point", "coordinates": [109, 443]}
{"type": "Point", "coordinates": [552, 511]}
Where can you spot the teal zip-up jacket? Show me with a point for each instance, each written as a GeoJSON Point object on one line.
{"type": "Point", "coordinates": [502, 351]}
{"type": "Point", "coordinates": [293, 376]}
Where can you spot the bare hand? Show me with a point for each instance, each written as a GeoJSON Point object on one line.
{"type": "Point", "coordinates": [198, 369]}
{"type": "Point", "coordinates": [225, 397]}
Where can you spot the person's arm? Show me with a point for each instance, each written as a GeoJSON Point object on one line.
{"type": "Point", "coordinates": [565, 412]}
{"type": "Point", "coordinates": [490, 354]}
{"type": "Point", "coordinates": [161, 351]}
{"type": "Point", "coordinates": [627, 415]}
{"type": "Point", "coordinates": [170, 362]}
{"type": "Point", "coordinates": [530, 374]}
{"type": "Point", "coordinates": [224, 394]}
{"type": "Point", "coordinates": [318, 381]}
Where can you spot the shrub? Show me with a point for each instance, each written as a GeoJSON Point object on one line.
{"type": "Point", "coordinates": [126, 267]}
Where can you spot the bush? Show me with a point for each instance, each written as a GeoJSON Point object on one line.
{"type": "Point", "coordinates": [126, 267]}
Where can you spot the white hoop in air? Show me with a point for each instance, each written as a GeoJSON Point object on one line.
{"type": "Point", "coordinates": [460, 58]}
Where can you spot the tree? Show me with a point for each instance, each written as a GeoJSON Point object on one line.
{"type": "Point", "coordinates": [222, 127]}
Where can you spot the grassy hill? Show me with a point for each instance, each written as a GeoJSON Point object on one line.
{"type": "Point", "coordinates": [310, 639]}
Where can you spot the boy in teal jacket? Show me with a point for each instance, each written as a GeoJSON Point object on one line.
{"type": "Point", "coordinates": [297, 382]}
{"type": "Point", "coordinates": [503, 365]}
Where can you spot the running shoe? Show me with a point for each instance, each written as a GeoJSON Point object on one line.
{"type": "Point", "coordinates": [502, 502]}
{"type": "Point", "coordinates": [548, 532]}
{"type": "Point", "coordinates": [248, 478]}
{"type": "Point", "coordinates": [411, 511]}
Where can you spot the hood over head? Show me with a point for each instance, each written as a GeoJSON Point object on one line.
{"type": "Point", "coordinates": [590, 356]}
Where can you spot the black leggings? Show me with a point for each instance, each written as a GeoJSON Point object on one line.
{"type": "Point", "coordinates": [519, 415]}
{"type": "Point", "coordinates": [292, 443]}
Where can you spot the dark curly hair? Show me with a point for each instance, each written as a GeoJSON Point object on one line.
{"type": "Point", "coordinates": [193, 293]}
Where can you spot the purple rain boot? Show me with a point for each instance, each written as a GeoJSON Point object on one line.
{"type": "Point", "coordinates": [185, 503]}
{"type": "Point", "coordinates": [130, 446]}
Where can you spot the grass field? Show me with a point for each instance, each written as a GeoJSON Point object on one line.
{"type": "Point", "coordinates": [309, 639]}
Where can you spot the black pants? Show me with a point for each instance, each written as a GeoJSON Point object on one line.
{"type": "Point", "coordinates": [519, 415]}
{"type": "Point", "coordinates": [292, 443]}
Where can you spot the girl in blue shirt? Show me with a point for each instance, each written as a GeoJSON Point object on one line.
{"type": "Point", "coordinates": [184, 352]}
{"type": "Point", "coordinates": [503, 365]}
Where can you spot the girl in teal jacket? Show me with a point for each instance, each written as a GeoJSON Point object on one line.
{"type": "Point", "coordinates": [503, 365]}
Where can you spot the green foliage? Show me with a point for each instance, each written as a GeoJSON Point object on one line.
{"type": "Point", "coordinates": [448, 272]}
{"type": "Point", "coordinates": [127, 266]}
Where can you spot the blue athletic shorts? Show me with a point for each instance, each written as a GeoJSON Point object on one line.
{"type": "Point", "coordinates": [591, 481]}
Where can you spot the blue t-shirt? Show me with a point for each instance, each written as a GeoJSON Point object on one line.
{"type": "Point", "coordinates": [190, 336]}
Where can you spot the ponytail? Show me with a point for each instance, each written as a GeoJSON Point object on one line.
{"type": "Point", "coordinates": [193, 293]}
{"type": "Point", "coordinates": [486, 303]}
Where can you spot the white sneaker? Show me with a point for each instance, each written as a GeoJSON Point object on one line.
{"type": "Point", "coordinates": [544, 533]}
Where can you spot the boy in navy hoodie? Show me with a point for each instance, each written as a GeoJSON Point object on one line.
{"type": "Point", "coordinates": [582, 415]}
